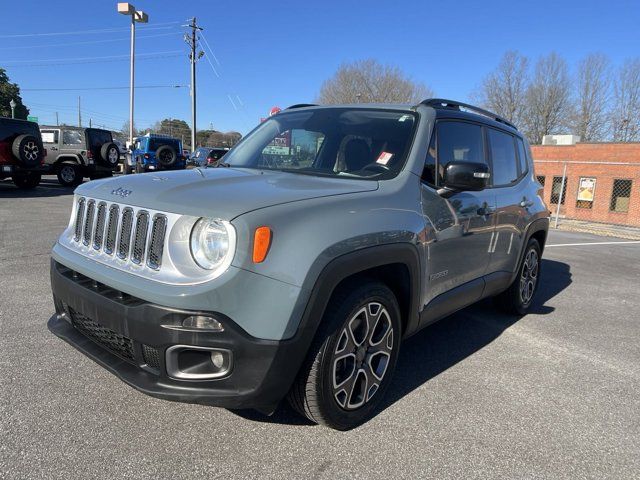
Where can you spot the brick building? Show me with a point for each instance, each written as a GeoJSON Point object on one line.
{"type": "Point", "coordinates": [602, 181]}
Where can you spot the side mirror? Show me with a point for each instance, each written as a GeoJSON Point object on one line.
{"type": "Point", "coordinates": [464, 176]}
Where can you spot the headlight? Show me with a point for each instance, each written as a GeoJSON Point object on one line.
{"type": "Point", "coordinates": [212, 243]}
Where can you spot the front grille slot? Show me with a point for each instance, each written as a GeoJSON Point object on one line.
{"type": "Point", "coordinates": [151, 356]}
{"type": "Point", "coordinates": [88, 223]}
{"type": "Point", "coordinates": [103, 336]}
{"type": "Point", "coordinates": [125, 233]}
{"type": "Point", "coordinates": [112, 229]}
{"type": "Point", "coordinates": [98, 236]}
{"type": "Point", "coordinates": [79, 220]}
{"type": "Point", "coordinates": [156, 245]}
{"type": "Point", "coordinates": [140, 237]}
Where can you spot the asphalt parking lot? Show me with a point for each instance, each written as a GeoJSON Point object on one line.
{"type": "Point", "coordinates": [555, 394]}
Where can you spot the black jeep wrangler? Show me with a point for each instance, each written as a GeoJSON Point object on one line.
{"type": "Point", "coordinates": [21, 152]}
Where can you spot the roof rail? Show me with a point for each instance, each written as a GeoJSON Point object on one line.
{"type": "Point", "coordinates": [302, 105]}
{"type": "Point", "coordinates": [454, 105]}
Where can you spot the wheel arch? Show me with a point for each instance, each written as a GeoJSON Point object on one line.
{"type": "Point", "coordinates": [68, 159]}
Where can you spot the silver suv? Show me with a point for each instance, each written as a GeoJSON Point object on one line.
{"type": "Point", "coordinates": [75, 152]}
{"type": "Point", "coordinates": [297, 266]}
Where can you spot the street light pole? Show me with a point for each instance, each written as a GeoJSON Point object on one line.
{"type": "Point", "coordinates": [140, 17]}
{"type": "Point", "coordinates": [13, 106]}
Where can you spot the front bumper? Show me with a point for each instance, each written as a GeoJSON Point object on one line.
{"type": "Point", "coordinates": [132, 339]}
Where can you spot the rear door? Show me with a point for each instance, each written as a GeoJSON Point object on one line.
{"type": "Point", "coordinates": [511, 188]}
{"type": "Point", "coordinates": [51, 142]}
{"type": "Point", "coordinates": [464, 222]}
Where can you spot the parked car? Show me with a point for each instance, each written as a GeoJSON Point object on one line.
{"type": "Point", "coordinates": [21, 152]}
{"type": "Point", "coordinates": [206, 156]}
{"type": "Point", "coordinates": [74, 153]}
{"type": "Point", "coordinates": [154, 152]}
{"type": "Point", "coordinates": [296, 269]}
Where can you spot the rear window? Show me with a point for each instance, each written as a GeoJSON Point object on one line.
{"type": "Point", "coordinates": [156, 143]}
{"type": "Point", "coordinates": [97, 138]}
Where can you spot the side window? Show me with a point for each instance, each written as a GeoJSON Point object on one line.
{"type": "Point", "coordinates": [50, 136]}
{"type": "Point", "coordinates": [522, 156]}
{"type": "Point", "coordinates": [503, 155]}
{"type": "Point", "coordinates": [72, 137]}
{"type": "Point", "coordinates": [459, 141]}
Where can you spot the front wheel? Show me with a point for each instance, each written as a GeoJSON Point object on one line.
{"type": "Point", "coordinates": [518, 297]}
{"type": "Point", "coordinates": [352, 359]}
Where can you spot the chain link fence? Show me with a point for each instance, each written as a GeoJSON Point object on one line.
{"type": "Point", "coordinates": [588, 191]}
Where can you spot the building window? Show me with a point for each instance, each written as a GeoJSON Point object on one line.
{"type": "Point", "coordinates": [555, 190]}
{"type": "Point", "coordinates": [541, 179]}
{"type": "Point", "coordinates": [620, 196]}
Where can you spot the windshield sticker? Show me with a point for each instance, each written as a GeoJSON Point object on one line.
{"type": "Point", "coordinates": [404, 117]}
{"type": "Point", "coordinates": [384, 158]}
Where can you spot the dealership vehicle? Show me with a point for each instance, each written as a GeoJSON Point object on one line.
{"type": "Point", "coordinates": [206, 156]}
{"type": "Point", "coordinates": [21, 152]}
{"type": "Point", "coordinates": [296, 268]}
{"type": "Point", "coordinates": [74, 153]}
{"type": "Point", "coordinates": [154, 152]}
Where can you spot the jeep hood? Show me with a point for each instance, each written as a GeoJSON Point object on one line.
{"type": "Point", "coordinates": [220, 192]}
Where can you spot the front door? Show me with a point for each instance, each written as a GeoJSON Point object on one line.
{"type": "Point", "coordinates": [459, 250]}
{"type": "Point", "coordinates": [51, 141]}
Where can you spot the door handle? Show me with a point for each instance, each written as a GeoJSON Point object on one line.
{"type": "Point", "coordinates": [526, 203]}
{"type": "Point", "coordinates": [485, 211]}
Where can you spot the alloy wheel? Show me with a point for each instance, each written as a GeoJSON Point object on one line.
{"type": "Point", "coordinates": [529, 276]}
{"type": "Point", "coordinates": [31, 151]}
{"type": "Point", "coordinates": [362, 354]}
{"type": "Point", "coordinates": [68, 173]}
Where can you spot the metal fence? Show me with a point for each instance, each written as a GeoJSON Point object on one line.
{"type": "Point", "coordinates": [591, 191]}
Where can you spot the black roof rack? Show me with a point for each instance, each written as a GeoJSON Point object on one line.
{"type": "Point", "coordinates": [452, 104]}
{"type": "Point", "coordinates": [302, 105]}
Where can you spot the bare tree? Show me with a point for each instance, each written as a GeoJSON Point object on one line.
{"type": "Point", "coordinates": [503, 91]}
{"type": "Point", "coordinates": [590, 116]}
{"type": "Point", "coordinates": [548, 98]}
{"type": "Point", "coordinates": [625, 117]}
{"type": "Point", "coordinates": [367, 81]}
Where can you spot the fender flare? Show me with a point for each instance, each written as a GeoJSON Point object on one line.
{"type": "Point", "coordinates": [538, 225]}
{"type": "Point", "coordinates": [69, 158]}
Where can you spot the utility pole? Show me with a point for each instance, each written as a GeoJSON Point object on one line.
{"type": "Point", "coordinates": [79, 114]}
{"type": "Point", "coordinates": [90, 122]}
{"type": "Point", "coordinates": [57, 122]}
{"type": "Point", "coordinates": [192, 41]}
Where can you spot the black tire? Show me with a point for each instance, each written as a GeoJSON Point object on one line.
{"type": "Point", "coordinates": [110, 154]}
{"type": "Point", "coordinates": [320, 390]}
{"type": "Point", "coordinates": [69, 174]}
{"type": "Point", "coordinates": [28, 150]}
{"type": "Point", "coordinates": [127, 170]}
{"type": "Point", "coordinates": [26, 181]}
{"type": "Point", "coordinates": [166, 155]}
{"type": "Point", "coordinates": [139, 167]}
{"type": "Point", "coordinates": [518, 297]}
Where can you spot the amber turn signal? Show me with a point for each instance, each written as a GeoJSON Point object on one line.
{"type": "Point", "coordinates": [261, 243]}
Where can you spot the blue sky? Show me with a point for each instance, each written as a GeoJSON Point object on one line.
{"type": "Point", "coordinates": [279, 53]}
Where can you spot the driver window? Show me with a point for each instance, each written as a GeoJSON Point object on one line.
{"type": "Point", "coordinates": [459, 142]}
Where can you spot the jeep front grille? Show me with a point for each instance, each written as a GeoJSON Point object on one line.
{"type": "Point", "coordinates": [135, 236]}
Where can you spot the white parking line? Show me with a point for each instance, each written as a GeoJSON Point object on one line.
{"type": "Point", "coordinates": [631, 242]}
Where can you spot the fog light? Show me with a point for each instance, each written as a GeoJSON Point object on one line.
{"type": "Point", "coordinates": [202, 322]}
{"type": "Point", "coordinates": [217, 359]}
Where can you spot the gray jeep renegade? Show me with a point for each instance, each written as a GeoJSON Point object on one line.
{"type": "Point", "coordinates": [296, 267]}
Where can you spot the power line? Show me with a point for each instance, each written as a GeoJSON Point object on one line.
{"type": "Point", "coordinates": [156, 26]}
{"type": "Point", "coordinates": [55, 60]}
{"type": "Point", "coordinates": [97, 88]}
{"type": "Point", "coordinates": [154, 56]}
{"type": "Point", "coordinates": [90, 42]}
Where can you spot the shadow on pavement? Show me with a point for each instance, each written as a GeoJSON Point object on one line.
{"type": "Point", "coordinates": [47, 188]}
{"type": "Point", "coordinates": [442, 345]}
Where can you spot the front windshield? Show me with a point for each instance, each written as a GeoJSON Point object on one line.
{"type": "Point", "coordinates": [340, 142]}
